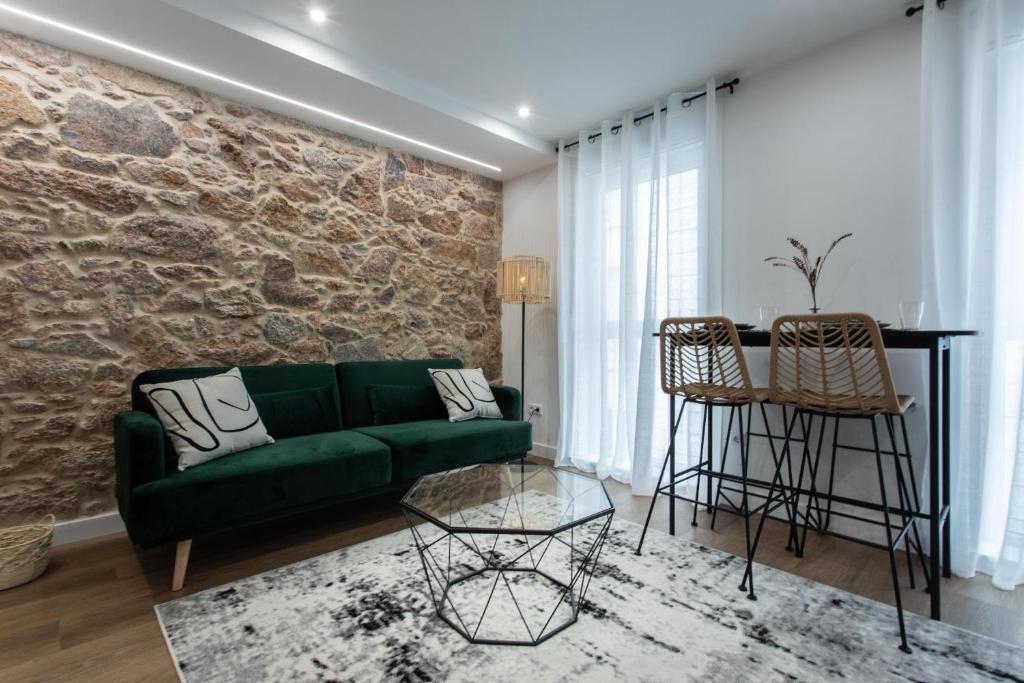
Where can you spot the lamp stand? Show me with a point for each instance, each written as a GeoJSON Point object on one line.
{"type": "Point", "coordinates": [522, 361]}
{"type": "Point", "coordinates": [523, 280]}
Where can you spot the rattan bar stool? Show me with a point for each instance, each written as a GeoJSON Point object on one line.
{"type": "Point", "coordinates": [702, 362]}
{"type": "Point", "coordinates": [834, 366]}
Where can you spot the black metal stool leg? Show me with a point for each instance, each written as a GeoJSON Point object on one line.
{"type": "Point", "coordinates": [917, 502]}
{"type": "Point", "coordinates": [775, 462]}
{"type": "Point", "coordinates": [812, 470]}
{"type": "Point", "coordinates": [711, 457]}
{"type": "Point", "coordinates": [906, 514]}
{"type": "Point", "coordinates": [888, 536]}
{"type": "Point", "coordinates": [650, 510]}
{"type": "Point", "coordinates": [744, 454]}
{"type": "Point", "coordinates": [793, 501]}
{"type": "Point", "coordinates": [672, 466]}
{"type": "Point", "coordinates": [700, 463]}
{"type": "Point", "coordinates": [805, 457]}
{"type": "Point", "coordinates": [817, 469]}
{"type": "Point", "coordinates": [721, 464]}
{"type": "Point", "coordinates": [657, 489]}
{"type": "Point", "coordinates": [776, 480]}
{"type": "Point", "coordinates": [832, 472]}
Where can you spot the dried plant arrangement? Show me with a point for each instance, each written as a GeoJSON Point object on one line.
{"type": "Point", "coordinates": [803, 264]}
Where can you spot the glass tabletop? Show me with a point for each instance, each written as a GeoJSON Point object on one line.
{"type": "Point", "coordinates": [508, 498]}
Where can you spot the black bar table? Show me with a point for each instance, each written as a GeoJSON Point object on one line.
{"type": "Point", "coordinates": [938, 344]}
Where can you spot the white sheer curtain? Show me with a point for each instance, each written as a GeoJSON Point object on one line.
{"type": "Point", "coordinates": [639, 239]}
{"type": "Point", "coordinates": [973, 105]}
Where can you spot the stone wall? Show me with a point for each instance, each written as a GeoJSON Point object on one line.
{"type": "Point", "coordinates": [146, 224]}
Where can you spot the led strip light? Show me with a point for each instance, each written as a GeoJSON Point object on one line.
{"type": "Point", "coordinates": [239, 84]}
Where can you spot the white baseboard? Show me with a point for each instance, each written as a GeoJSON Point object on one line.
{"type": "Point", "coordinates": [84, 528]}
{"type": "Point", "coordinates": [542, 450]}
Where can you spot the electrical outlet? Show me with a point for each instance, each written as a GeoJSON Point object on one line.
{"type": "Point", "coordinates": [535, 409]}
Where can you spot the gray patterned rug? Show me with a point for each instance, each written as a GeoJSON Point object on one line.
{"type": "Point", "coordinates": [363, 613]}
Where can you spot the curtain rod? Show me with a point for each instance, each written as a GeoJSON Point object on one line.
{"type": "Point", "coordinates": [731, 85]}
{"type": "Point", "coordinates": [911, 11]}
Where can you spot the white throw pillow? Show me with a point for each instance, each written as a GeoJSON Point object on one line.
{"type": "Point", "coordinates": [207, 417]}
{"type": "Point", "coordinates": [465, 393]}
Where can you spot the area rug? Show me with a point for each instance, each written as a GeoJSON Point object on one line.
{"type": "Point", "coordinates": [363, 613]}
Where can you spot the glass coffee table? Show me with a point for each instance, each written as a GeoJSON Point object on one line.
{"type": "Point", "coordinates": [508, 550]}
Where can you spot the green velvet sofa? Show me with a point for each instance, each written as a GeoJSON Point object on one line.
{"type": "Point", "coordinates": [330, 447]}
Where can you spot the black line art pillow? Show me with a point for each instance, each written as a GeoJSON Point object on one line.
{"type": "Point", "coordinates": [465, 394]}
{"type": "Point", "coordinates": [207, 417]}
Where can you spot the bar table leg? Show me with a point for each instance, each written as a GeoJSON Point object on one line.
{"type": "Point", "coordinates": [934, 474]}
{"type": "Point", "coordinates": [946, 572]}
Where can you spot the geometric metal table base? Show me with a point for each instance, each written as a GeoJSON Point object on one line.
{"type": "Point", "coordinates": [529, 590]}
{"type": "Point", "coordinates": [508, 551]}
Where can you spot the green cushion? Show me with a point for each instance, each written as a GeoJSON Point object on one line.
{"type": "Point", "coordinates": [393, 403]}
{"type": "Point", "coordinates": [259, 379]}
{"type": "Point", "coordinates": [276, 478]}
{"type": "Point", "coordinates": [428, 446]}
{"type": "Point", "coordinates": [318, 378]}
{"type": "Point", "coordinates": [138, 455]}
{"type": "Point", "coordinates": [354, 379]}
{"type": "Point", "coordinates": [510, 401]}
{"type": "Point", "coordinates": [299, 411]}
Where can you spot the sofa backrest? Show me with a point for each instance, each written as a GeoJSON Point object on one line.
{"type": "Point", "coordinates": [354, 379]}
{"type": "Point", "coordinates": [292, 400]}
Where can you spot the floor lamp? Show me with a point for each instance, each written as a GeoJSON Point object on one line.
{"type": "Point", "coordinates": [523, 280]}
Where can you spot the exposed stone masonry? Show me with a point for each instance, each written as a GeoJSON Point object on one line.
{"type": "Point", "coordinates": [146, 224]}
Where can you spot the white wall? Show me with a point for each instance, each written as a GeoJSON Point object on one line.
{"type": "Point", "coordinates": [822, 145]}
{"type": "Point", "coordinates": [531, 228]}
{"type": "Point", "coordinates": [818, 147]}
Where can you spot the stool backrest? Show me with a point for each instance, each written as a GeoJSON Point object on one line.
{"type": "Point", "coordinates": [701, 359]}
{"type": "Point", "coordinates": [834, 362]}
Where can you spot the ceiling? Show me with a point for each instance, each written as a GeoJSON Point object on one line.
{"type": "Point", "coordinates": [452, 73]}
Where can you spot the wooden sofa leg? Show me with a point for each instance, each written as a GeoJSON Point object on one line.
{"type": "Point", "coordinates": [180, 564]}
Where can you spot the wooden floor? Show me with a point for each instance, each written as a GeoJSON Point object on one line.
{"type": "Point", "coordinates": [90, 617]}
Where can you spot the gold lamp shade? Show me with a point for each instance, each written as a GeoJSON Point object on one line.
{"type": "Point", "coordinates": [524, 279]}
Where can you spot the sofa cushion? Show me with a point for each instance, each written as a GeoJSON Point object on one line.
{"type": "Point", "coordinates": [428, 446]}
{"type": "Point", "coordinates": [465, 393]}
{"type": "Point", "coordinates": [354, 378]}
{"type": "Point", "coordinates": [207, 417]}
{"type": "Point", "coordinates": [393, 403]}
{"type": "Point", "coordinates": [265, 379]}
{"type": "Point", "coordinates": [299, 411]}
{"type": "Point", "coordinates": [254, 484]}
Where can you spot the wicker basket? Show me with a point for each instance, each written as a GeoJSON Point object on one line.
{"type": "Point", "coordinates": [25, 552]}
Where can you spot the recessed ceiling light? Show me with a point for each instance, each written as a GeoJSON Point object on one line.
{"type": "Point", "coordinates": [523, 111]}
{"type": "Point", "coordinates": [318, 15]}
{"type": "Point", "coordinates": [184, 66]}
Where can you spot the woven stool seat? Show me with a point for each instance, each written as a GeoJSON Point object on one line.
{"type": "Point", "coordinates": [847, 404]}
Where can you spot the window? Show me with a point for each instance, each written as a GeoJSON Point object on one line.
{"type": "Point", "coordinates": [632, 239]}
{"type": "Point", "coordinates": [676, 208]}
